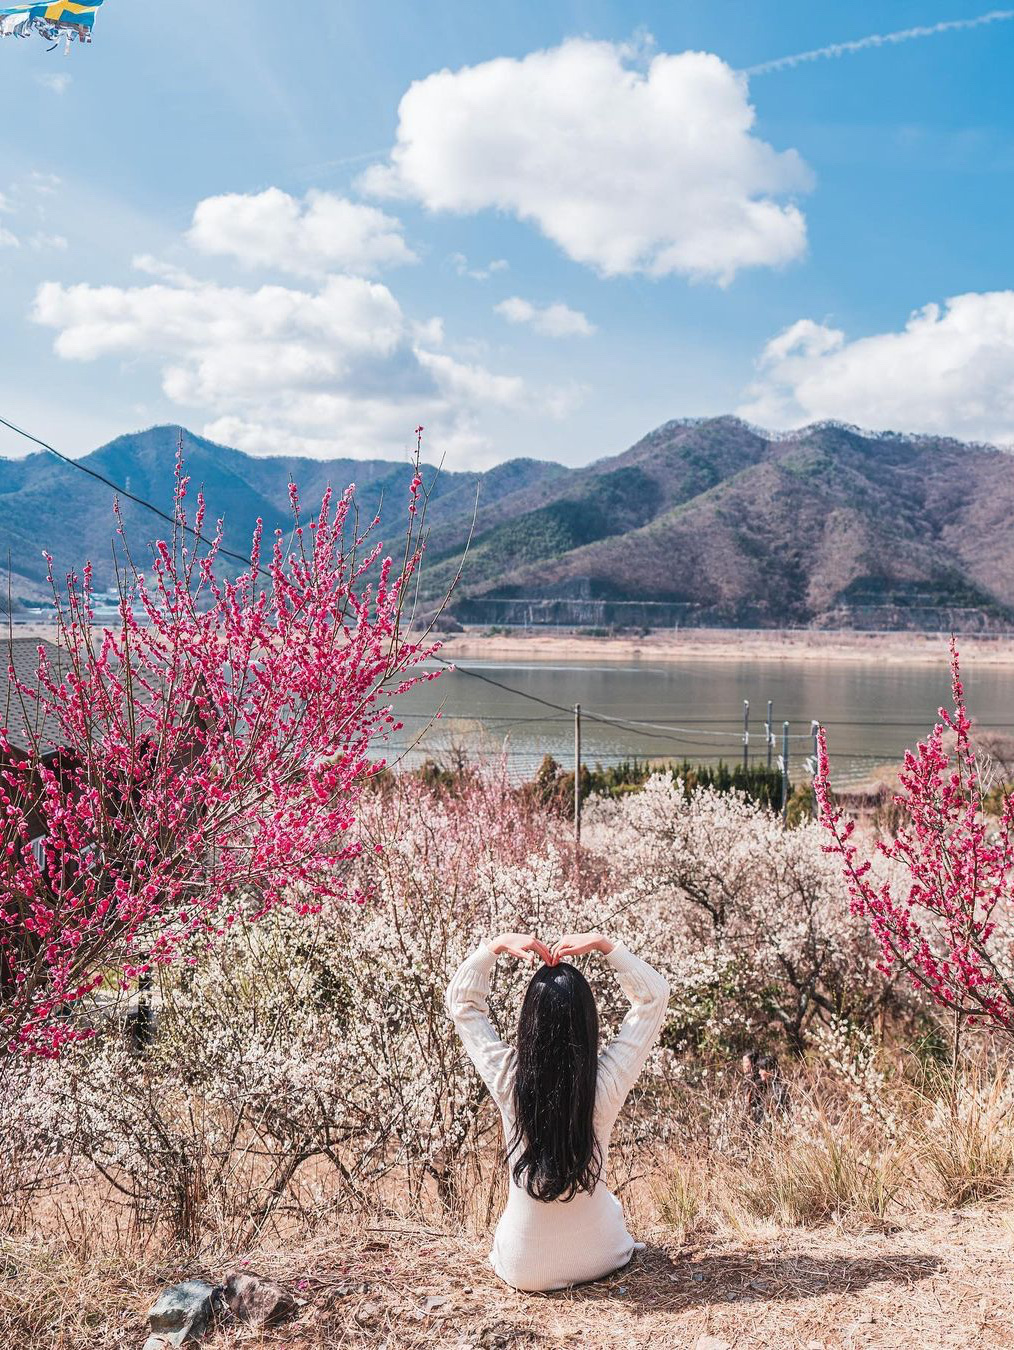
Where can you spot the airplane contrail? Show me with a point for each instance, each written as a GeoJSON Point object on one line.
{"type": "Point", "coordinates": [877, 40]}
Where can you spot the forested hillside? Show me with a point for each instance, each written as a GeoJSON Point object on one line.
{"type": "Point", "coordinates": [707, 522]}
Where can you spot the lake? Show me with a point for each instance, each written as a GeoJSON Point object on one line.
{"type": "Point", "coordinates": [872, 710]}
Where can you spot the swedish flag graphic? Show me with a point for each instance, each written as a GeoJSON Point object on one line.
{"type": "Point", "coordinates": [66, 18]}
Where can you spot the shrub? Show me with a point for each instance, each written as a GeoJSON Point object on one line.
{"type": "Point", "coordinates": [749, 914]}
{"type": "Point", "coordinates": [941, 910]}
{"type": "Point", "coordinates": [197, 763]}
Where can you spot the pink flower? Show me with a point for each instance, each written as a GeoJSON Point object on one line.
{"type": "Point", "coordinates": [215, 742]}
{"type": "Point", "coordinates": [939, 924]}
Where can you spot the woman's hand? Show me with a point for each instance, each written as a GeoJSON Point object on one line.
{"type": "Point", "coordinates": [525, 946]}
{"type": "Point", "coordinates": [578, 944]}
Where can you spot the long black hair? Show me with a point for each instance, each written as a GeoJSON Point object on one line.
{"type": "Point", "coordinates": [554, 1090]}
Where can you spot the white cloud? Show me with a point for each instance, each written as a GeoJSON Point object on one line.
{"type": "Point", "coordinates": [429, 332]}
{"type": "Point", "coordinates": [59, 83]}
{"type": "Point", "coordinates": [627, 169]}
{"type": "Point", "coordinates": [24, 210]}
{"type": "Point", "coordinates": [949, 371]}
{"type": "Point", "coordinates": [48, 243]}
{"type": "Point", "coordinates": [45, 184]}
{"type": "Point", "coordinates": [557, 320]}
{"type": "Point", "coordinates": [163, 271]}
{"type": "Point", "coordinates": [337, 369]}
{"type": "Point", "coordinates": [472, 383]}
{"type": "Point", "coordinates": [463, 269]}
{"type": "Point", "coordinates": [307, 238]}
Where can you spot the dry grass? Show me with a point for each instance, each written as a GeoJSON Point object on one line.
{"type": "Point", "coordinates": [819, 1230]}
{"type": "Point", "coordinates": [943, 1281]}
{"type": "Point", "coordinates": [970, 1155]}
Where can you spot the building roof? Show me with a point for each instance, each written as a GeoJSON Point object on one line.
{"type": "Point", "coordinates": [21, 717]}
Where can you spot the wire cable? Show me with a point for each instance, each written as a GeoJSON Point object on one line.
{"type": "Point", "coordinates": [673, 734]}
{"type": "Point", "coordinates": [121, 491]}
{"type": "Point", "coordinates": [533, 698]}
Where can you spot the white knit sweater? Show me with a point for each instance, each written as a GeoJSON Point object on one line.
{"type": "Point", "coordinates": [542, 1245]}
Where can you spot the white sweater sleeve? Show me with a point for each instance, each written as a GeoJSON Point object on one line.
{"type": "Point", "coordinates": [467, 1004]}
{"type": "Point", "coordinates": [622, 1060]}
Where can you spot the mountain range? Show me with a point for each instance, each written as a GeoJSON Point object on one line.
{"type": "Point", "coordinates": [708, 522]}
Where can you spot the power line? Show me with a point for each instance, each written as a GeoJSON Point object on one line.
{"type": "Point", "coordinates": [649, 730]}
{"type": "Point", "coordinates": [533, 698]}
{"type": "Point", "coordinates": [672, 735]}
{"type": "Point", "coordinates": [120, 491]}
{"type": "Point", "coordinates": [699, 729]}
{"type": "Point", "coordinates": [499, 718]}
{"type": "Point", "coordinates": [628, 723]}
{"type": "Point", "coordinates": [679, 736]}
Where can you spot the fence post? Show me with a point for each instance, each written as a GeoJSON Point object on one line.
{"type": "Point", "coordinates": [577, 773]}
{"type": "Point", "coordinates": [746, 733]}
{"type": "Point", "coordinates": [785, 772]}
{"type": "Point", "coordinates": [143, 1026]}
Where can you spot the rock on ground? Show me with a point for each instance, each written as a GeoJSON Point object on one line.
{"type": "Point", "coordinates": [260, 1302]}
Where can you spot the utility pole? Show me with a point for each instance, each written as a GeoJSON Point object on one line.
{"type": "Point", "coordinates": [814, 730]}
{"type": "Point", "coordinates": [746, 733]}
{"type": "Point", "coordinates": [769, 735]}
{"type": "Point", "coordinates": [785, 772]}
{"type": "Point", "coordinates": [577, 774]}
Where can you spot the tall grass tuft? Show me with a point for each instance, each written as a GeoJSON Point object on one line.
{"type": "Point", "coordinates": [829, 1172]}
{"type": "Point", "coordinates": [679, 1201]}
{"type": "Point", "coordinates": [967, 1143]}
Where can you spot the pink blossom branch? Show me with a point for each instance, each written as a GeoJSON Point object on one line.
{"type": "Point", "coordinates": [212, 750]}
{"type": "Point", "coordinates": [940, 924]}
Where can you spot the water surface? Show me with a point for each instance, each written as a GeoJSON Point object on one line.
{"type": "Point", "coordinates": [872, 710]}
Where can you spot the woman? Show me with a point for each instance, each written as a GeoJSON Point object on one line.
{"type": "Point", "coordinates": [558, 1098]}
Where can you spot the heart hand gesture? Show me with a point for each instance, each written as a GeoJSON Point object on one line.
{"type": "Point", "coordinates": [579, 944]}
{"type": "Point", "coordinates": [524, 946]}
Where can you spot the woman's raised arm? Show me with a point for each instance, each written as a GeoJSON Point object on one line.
{"type": "Point", "coordinates": [467, 1004]}
{"type": "Point", "coordinates": [622, 1060]}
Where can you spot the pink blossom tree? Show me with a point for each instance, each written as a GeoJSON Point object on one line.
{"type": "Point", "coordinates": [942, 908]}
{"type": "Point", "coordinates": [209, 752]}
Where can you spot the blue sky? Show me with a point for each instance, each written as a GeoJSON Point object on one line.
{"type": "Point", "coordinates": [655, 252]}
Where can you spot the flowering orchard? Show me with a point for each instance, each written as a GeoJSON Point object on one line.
{"type": "Point", "coordinates": [306, 1068]}
{"type": "Point", "coordinates": [211, 748]}
{"type": "Point", "coordinates": [750, 921]}
{"type": "Point", "coordinates": [944, 913]}
{"type": "Point", "coordinates": [307, 1063]}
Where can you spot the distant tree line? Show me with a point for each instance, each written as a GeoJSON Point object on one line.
{"type": "Point", "coordinates": [553, 785]}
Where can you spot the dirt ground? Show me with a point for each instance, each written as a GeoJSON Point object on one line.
{"type": "Point", "coordinates": [941, 1281]}
{"type": "Point", "coordinates": [946, 1283]}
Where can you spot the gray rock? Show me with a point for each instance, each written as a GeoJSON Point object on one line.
{"type": "Point", "coordinates": [260, 1302]}
{"type": "Point", "coordinates": [182, 1315]}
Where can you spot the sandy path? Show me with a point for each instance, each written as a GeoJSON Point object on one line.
{"type": "Point", "coordinates": [710, 644]}
{"type": "Point", "coordinates": [733, 645]}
